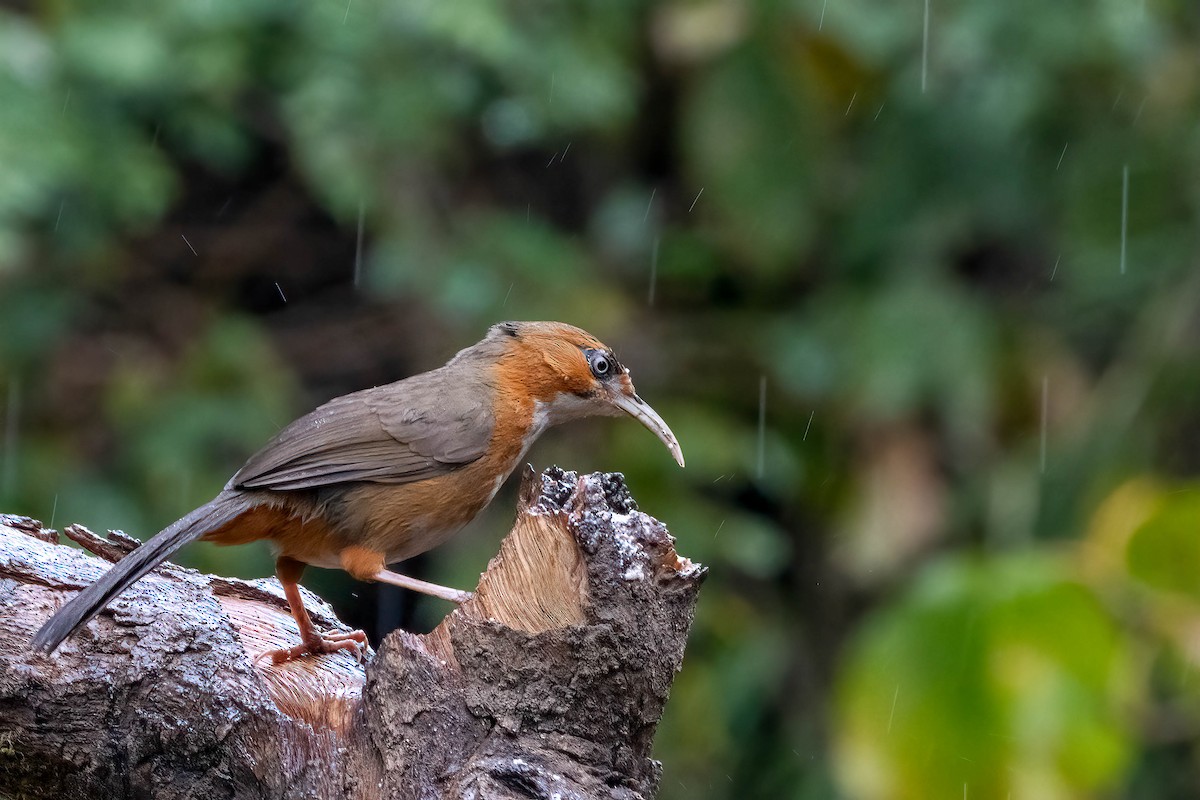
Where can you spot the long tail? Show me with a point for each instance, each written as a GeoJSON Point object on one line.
{"type": "Point", "coordinates": [89, 602]}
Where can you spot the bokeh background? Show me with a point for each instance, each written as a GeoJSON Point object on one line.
{"type": "Point", "coordinates": [915, 284]}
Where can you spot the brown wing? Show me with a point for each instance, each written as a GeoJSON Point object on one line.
{"type": "Point", "coordinates": [402, 432]}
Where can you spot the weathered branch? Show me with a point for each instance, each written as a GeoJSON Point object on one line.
{"type": "Point", "coordinates": [549, 683]}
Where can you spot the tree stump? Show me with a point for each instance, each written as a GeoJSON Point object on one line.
{"type": "Point", "coordinates": [549, 683]}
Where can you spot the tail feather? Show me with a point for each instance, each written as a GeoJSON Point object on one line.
{"type": "Point", "coordinates": [89, 602]}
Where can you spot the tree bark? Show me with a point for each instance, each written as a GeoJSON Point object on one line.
{"type": "Point", "coordinates": [549, 683]}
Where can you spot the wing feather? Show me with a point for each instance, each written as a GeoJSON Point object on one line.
{"type": "Point", "coordinates": [398, 433]}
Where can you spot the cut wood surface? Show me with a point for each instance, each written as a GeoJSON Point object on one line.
{"type": "Point", "coordinates": [549, 683]}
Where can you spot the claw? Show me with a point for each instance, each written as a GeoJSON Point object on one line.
{"type": "Point", "coordinates": [319, 644]}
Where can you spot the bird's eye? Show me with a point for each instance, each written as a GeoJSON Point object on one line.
{"type": "Point", "coordinates": [601, 366]}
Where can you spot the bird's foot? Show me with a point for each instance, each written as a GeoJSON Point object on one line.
{"type": "Point", "coordinates": [319, 644]}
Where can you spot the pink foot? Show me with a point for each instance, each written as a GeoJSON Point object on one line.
{"type": "Point", "coordinates": [319, 644]}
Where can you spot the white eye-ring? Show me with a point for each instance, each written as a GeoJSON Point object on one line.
{"type": "Point", "coordinates": [601, 366]}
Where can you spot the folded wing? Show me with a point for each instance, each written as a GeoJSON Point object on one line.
{"type": "Point", "coordinates": [376, 436]}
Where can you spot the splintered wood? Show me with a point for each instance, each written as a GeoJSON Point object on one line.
{"type": "Point", "coordinates": [537, 582]}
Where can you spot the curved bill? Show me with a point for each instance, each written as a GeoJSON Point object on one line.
{"type": "Point", "coordinates": [637, 408]}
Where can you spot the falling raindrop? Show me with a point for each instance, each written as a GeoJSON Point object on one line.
{"type": "Point", "coordinates": [1054, 271]}
{"type": "Point", "coordinates": [821, 22]}
{"type": "Point", "coordinates": [650, 204]}
{"type": "Point", "coordinates": [892, 716]}
{"type": "Point", "coordinates": [925, 49]}
{"type": "Point", "coordinates": [346, 16]}
{"type": "Point", "coordinates": [1124, 212]}
{"type": "Point", "coordinates": [53, 511]}
{"type": "Point", "coordinates": [880, 111]}
{"type": "Point", "coordinates": [762, 423]}
{"type": "Point", "coordinates": [809, 425]}
{"type": "Point", "coordinates": [852, 98]}
{"type": "Point", "coordinates": [279, 289]}
{"type": "Point", "coordinates": [506, 294]}
{"type": "Point", "coordinates": [696, 199]}
{"type": "Point", "coordinates": [1060, 156]}
{"type": "Point", "coordinates": [189, 244]}
{"type": "Point", "coordinates": [58, 219]}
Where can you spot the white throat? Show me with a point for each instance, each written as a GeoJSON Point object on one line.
{"type": "Point", "coordinates": [563, 408]}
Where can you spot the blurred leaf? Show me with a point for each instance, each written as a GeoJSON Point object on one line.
{"type": "Point", "coordinates": [1164, 550]}
{"type": "Point", "coordinates": [123, 52]}
{"type": "Point", "coordinates": [1001, 677]}
{"type": "Point", "coordinates": [746, 136]}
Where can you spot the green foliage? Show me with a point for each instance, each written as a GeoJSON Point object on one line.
{"type": "Point", "coordinates": [1164, 549]}
{"type": "Point", "coordinates": [988, 679]}
{"type": "Point", "coordinates": [961, 530]}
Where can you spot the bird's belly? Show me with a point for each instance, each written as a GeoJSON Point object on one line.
{"type": "Point", "coordinates": [398, 521]}
{"type": "Point", "coordinates": [418, 539]}
{"type": "Point", "coordinates": [407, 520]}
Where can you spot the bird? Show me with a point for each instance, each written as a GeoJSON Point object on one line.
{"type": "Point", "coordinates": [383, 474]}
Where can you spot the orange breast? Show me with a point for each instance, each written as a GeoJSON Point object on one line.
{"type": "Point", "coordinates": [406, 520]}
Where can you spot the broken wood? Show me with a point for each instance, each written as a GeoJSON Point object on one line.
{"type": "Point", "coordinates": [549, 682]}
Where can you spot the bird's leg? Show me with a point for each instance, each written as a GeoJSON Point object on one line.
{"type": "Point", "coordinates": [424, 587]}
{"type": "Point", "coordinates": [366, 564]}
{"type": "Point", "coordinates": [311, 642]}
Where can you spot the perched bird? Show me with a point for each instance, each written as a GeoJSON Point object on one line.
{"type": "Point", "coordinates": [383, 474]}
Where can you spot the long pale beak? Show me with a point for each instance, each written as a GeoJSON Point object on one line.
{"type": "Point", "coordinates": [637, 408]}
